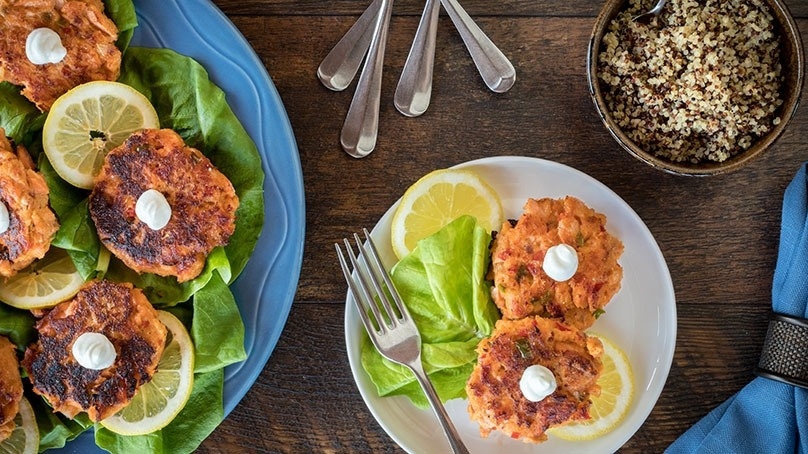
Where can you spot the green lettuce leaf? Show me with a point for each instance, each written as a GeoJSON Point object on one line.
{"type": "Point", "coordinates": [78, 237]}
{"type": "Point", "coordinates": [19, 117]}
{"type": "Point", "coordinates": [55, 430]}
{"type": "Point", "coordinates": [17, 325]}
{"type": "Point", "coordinates": [123, 13]}
{"type": "Point", "coordinates": [215, 348]}
{"type": "Point", "coordinates": [198, 419]}
{"type": "Point", "coordinates": [189, 103]}
{"type": "Point", "coordinates": [443, 284]}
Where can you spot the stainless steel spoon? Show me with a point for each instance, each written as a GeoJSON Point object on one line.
{"type": "Point", "coordinates": [361, 127]}
{"type": "Point", "coordinates": [414, 89]}
{"type": "Point", "coordinates": [339, 67]}
{"type": "Point", "coordinates": [651, 13]}
{"type": "Point", "coordinates": [494, 67]}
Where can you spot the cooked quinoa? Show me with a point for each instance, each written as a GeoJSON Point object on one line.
{"type": "Point", "coordinates": [701, 82]}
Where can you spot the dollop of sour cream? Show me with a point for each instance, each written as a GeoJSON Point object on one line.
{"type": "Point", "coordinates": [537, 382]}
{"type": "Point", "coordinates": [94, 351]}
{"type": "Point", "coordinates": [44, 45]}
{"type": "Point", "coordinates": [5, 218]}
{"type": "Point", "coordinates": [153, 209]}
{"type": "Point", "coordinates": [560, 262]}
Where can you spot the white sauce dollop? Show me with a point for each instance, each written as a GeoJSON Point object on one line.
{"type": "Point", "coordinates": [5, 218]}
{"type": "Point", "coordinates": [560, 262]}
{"type": "Point", "coordinates": [94, 351]}
{"type": "Point", "coordinates": [44, 45]}
{"type": "Point", "coordinates": [153, 209]}
{"type": "Point", "coordinates": [537, 382]}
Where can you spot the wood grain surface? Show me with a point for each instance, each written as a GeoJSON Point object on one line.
{"type": "Point", "coordinates": [718, 235]}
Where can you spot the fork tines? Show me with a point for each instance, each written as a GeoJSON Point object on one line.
{"type": "Point", "coordinates": [369, 281]}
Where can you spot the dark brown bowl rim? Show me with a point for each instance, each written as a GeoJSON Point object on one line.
{"type": "Point", "coordinates": [789, 32]}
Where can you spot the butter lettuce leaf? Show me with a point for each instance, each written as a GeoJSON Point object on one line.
{"type": "Point", "coordinates": [17, 325]}
{"type": "Point", "coordinates": [200, 416]}
{"type": "Point", "coordinates": [188, 102]}
{"type": "Point", "coordinates": [215, 348]}
{"type": "Point", "coordinates": [123, 13]}
{"type": "Point", "coordinates": [20, 118]}
{"type": "Point", "coordinates": [443, 284]}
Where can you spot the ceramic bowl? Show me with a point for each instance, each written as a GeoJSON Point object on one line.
{"type": "Point", "coordinates": [792, 58]}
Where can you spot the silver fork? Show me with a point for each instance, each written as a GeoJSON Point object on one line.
{"type": "Point", "coordinates": [391, 329]}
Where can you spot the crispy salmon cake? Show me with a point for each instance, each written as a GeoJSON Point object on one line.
{"type": "Point", "coordinates": [86, 33]}
{"type": "Point", "coordinates": [10, 387]}
{"type": "Point", "coordinates": [495, 398]}
{"type": "Point", "coordinates": [122, 314]}
{"type": "Point", "coordinates": [203, 205]}
{"type": "Point", "coordinates": [24, 196]}
{"type": "Point", "coordinates": [522, 287]}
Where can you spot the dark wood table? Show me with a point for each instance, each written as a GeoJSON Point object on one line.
{"type": "Point", "coordinates": [719, 235]}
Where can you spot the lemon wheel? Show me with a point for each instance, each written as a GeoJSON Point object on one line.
{"type": "Point", "coordinates": [610, 408]}
{"type": "Point", "coordinates": [439, 198]}
{"type": "Point", "coordinates": [87, 122]}
{"type": "Point", "coordinates": [24, 439]}
{"type": "Point", "coordinates": [45, 283]}
{"type": "Point", "coordinates": [158, 402]}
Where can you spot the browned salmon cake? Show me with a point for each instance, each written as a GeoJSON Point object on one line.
{"type": "Point", "coordinates": [24, 194]}
{"type": "Point", "coordinates": [521, 286]}
{"type": "Point", "coordinates": [203, 204]}
{"type": "Point", "coordinates": [495, 398]}
{"type": "Point", "coordinates": [87, 34]}
{"type": "Point", "coordinates": [10, 387]}
{"type": "Point", "coordinates": [122, 314]}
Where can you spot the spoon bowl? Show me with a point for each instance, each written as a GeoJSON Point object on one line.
{"type": "Point", "coordinates": [651, 13]}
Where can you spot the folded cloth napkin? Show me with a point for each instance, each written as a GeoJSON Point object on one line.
{"type": "Point", "coordinates": [767, 416]}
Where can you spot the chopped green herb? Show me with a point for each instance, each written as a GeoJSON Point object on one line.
{"type": "Point", "coordinates": [524, 348]}
{"type": "Point", "coordinates": [544, 299]}
{"type": "Point", "coordinates": [522, 272]}
{"type": "Point", "coordinates": [579, 239]}
{"type": "Point", "coordinates": [598, 313]}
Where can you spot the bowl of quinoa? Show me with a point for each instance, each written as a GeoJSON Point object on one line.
{"type": "Point", "coordinates": [701, 89]}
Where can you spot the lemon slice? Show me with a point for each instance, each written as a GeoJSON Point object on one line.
{"type": "Point", "coordinates": [88, 121]}
{"type": "Point", "coordinates": [45, 283]}
{"type": "Point", "coordinates": [439, 198]}
{"type": "Point", "coordinates": [610, 408]}
{"type": "Point", "coordinates": [24, 439]}
{"type": "Point", "coordinates": [158, 401]}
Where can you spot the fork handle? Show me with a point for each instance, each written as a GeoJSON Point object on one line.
{"type": "Point", "coordinates": [437, 406]}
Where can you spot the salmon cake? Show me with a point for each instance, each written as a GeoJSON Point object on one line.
{"type": "Point", "coordinates": [27, 223]}
{"type": "Point", "coordinates": [123, 315]}
{"type": "Point", "coordinates": [200, 199]}
{"type": "Point", "coordinates": [87, 39]}
{"type": "Point", "coordinates": [521, 254]}
{"type": "Point", "coordinates": [10, 387]}
{"type": "Point", "coordinates": [496, 399]}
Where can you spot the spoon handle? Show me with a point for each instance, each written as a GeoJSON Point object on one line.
{"type": "Point", "coordinates": [414, 88]}
{"type": "Point", "coordinates": [496, 70]}
{"type": "Point", "coordinates": [359, 132]}
{"type": "Point", "coordinates": [339, 67]}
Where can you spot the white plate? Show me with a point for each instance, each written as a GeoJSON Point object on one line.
{"type": "Point", "coordinates": [641, 318]}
